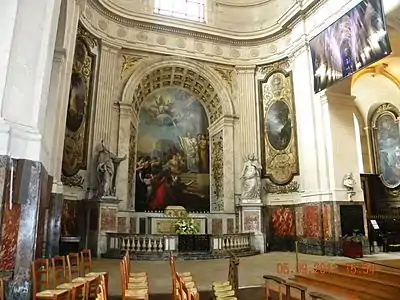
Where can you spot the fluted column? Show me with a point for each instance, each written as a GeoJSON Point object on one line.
{"type": "Point", "coordinates": [370, 149]}
{"type": "Point", "coordinates": [247, 110]}
{"type": "Point", "coordinates": [106, 94]}
{"type": "Point", "coordinates": [125, 111]}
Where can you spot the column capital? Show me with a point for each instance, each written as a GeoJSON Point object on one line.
{"type": "Point", "coordinates": [245, 69]}
{"type": "Point", "coordinates": [336, 98]}
{"type": "Point", "coordinates": [125, 108]}
{"type": "Point", "coordinates": [109, 46]}
{"type": "Point", "coordinates": [218, 125]}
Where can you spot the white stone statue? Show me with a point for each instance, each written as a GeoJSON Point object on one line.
{"type": "Point", "coordinates": [349, 183]}
{"type": "Point", "coordinates": [107, 163]}
{"type": "Point", "coordinates": [251, 176]}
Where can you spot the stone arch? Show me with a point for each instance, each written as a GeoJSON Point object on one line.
{"type": "Point", "coordinates": [152, 74]}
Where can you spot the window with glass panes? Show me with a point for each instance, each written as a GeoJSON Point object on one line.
{"type": "Point", "coordinates": [185, 9]}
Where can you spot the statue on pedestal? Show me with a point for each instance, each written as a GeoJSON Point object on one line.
{"type": "Point", "coordinates": [251, 176]}
{"type": "Point", "coordinates": [106, 166]}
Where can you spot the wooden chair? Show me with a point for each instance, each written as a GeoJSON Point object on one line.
{"type": "Point", "coordinates": [78, 289]}
{"type": "Point", "coordinates": [233, 278]}
{"type": "Point", "coordinates": [132, 283]}
{"type": "Point", "coordinates": [185, 277]}
{"type": "Point", "coordinates": [276, 279]}
{"type": "Point", "coordinates": [41, 283]}
{"type": "Point", "coordinates": [132, 274]}
{"type": "Point", "coordinates": [86, 260]}
{"type": "Point", "coordinates": [185, 293]}
{"type": "Point", "coordinates": [136, 294]}
{"type": "Point", "coordinates": [101, 289]}
{"type": "Point", "coordinates": [320, 296]}
{"type": "Point", "coordinates": [301, 288]}
{"type": "Point", "coordinates": [74, 274]}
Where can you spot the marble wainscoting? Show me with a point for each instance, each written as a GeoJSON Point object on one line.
{"type": "Point", "coordinates": [144, 222]}
{"type": "Point", "coordinates": [316, 227]}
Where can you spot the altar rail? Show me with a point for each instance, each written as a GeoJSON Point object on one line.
{"type": "Point", "coordinates": [153, 243]}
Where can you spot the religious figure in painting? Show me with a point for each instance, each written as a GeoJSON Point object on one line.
{"type": "Point", "coordinates": [107, 163]}
{"type": "Point", "coordinates": [251, 176]}
{"type": "Point", "coordinates": [190, 148]}
{"type": "Point", "coordinates": [203, 146]}
{"type": "Point", "coordinates": [172, 166]}
{"type": "Point", "coordinates": [278, 125]}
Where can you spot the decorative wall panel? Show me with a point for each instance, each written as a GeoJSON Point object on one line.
{"type": "Point", "coordinates": [217, 172]}
{"type": "Point", "coordinates": [78, 115]}
{"type": "Point", "coordinates": [278, 125]}
{"type": "Point", "coordinates": [283, 222]}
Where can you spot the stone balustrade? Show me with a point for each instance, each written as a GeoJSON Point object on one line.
{"type": "Point", "coordinates": [159, 244]}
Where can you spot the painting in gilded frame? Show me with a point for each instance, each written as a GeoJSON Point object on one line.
{"type": "Point", "coordinates": [386, 138]}
{"type": "Point", "coordinates": [279, 153]}
{"type": "Point", "coordinates": [78, 112]}
{"type": "Point", "coordinates": [173, 160]}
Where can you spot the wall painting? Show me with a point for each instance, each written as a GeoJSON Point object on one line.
{"type": "Point", "coordinates": [386, 137]}
{"type": "Point", "coordinates": [278, 127]}
{"type": "Point", "coordinates": [78, 112]}
{"type": "Point", "coordinates": [172, 153]}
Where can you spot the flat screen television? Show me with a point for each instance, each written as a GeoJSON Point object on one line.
{"type": "Point", "coordinates": [356, 40]}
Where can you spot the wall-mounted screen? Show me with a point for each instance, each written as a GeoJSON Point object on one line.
{"type": "Point", "coordinates": [356, 40]}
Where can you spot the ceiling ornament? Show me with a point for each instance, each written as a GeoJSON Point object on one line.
{"type": "Point", "coordinates": [179, 77]}
{"type": "Point", "coordinates": [281, 31]}
{"type": "Point", "coordinates": [283, 64]}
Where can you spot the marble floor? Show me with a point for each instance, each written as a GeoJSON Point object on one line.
{"type": "Point", "coordinates": [251, 269]}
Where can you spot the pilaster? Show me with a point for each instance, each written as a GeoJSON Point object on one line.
{"type": "Point", "coordinates": [246, 106]}
{"type": "Point", "coordinates": [121, 182]}
{"type": "Point", "coordinates": [107, 86]}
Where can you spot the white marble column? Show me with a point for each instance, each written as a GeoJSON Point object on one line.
{"type": "Point", "coordinates": [61, 95]}
{"type": "Point", "coordinates": [246, 107]}
{"type": "Point", "coordinates": [229, 165]}
{"type": "Point", "coordinates": [27, 79]}
{"type": "Point", "coordinates": [308, 132]}
{"type": "Point", "coordinates": [106, 94]}
{"type": "Point", "coordinates": [340, 141]}
{"type": "Point", "coordinates": [121, 182]}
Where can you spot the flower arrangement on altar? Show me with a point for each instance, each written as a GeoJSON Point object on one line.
{"type": "Point", "coordinates": [186, 225]}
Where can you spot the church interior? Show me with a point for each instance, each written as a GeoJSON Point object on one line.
{"type": "Point", "coordinates": [224, 149]}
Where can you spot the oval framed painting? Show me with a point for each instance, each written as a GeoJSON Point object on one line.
{"type": "Point", "coordinates": [278, 125]}
{"type": "Point", "coordinates": [387, 146]}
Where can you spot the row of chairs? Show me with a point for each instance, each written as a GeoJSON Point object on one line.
{"type": "Point", "coordinates": [183, 286]}
{"type": "Point", "coordinates": [101, 289]}
{"type": "Point", "coordinates": [69, 277]}
{"type": "Point", "coordinates": [284, 289]}
{"type": "Point", "coordinates": [135, 286]}
{"type": "Point", "coordinates": [227, 290]}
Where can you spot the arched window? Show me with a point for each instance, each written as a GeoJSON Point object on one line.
{"type": "Point", "coordinates": [357, 133]}
{"type": "Point", "coordinates": [184, 9]}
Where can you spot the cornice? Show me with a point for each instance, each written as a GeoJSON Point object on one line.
{"type": "Point", "coordinates": [148, 22]}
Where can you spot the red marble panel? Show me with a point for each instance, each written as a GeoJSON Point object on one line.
{"type": "Point", "coordinates": [121, 224]}
{"type": "Point", "coordinates": [311, 222]}
{"type": "Point", "coordinates": [216, 226]}
{"type": "Point", "coordinates": [9, 235]}
{"type": "Point", "coordinates": [132, 225]}
{"type": "Point", "coordinates": [327, 221]}
{"type": "Point", "coordinates": [230, 226]}
{"type": "Point", "coordinates": [283, 221]}
{"type": "Point", "coordinates": [108, 219]}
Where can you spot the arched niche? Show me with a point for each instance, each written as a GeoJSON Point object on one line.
{"type": "Point", "coordinates": [386, 144]}
{"type": "Point", "coordinates": [149, 77]}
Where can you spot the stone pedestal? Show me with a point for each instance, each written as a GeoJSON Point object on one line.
{"type": "Point", "coordinates": [108, 210]}
{"type": "Point", "coordinates": [251, 221]}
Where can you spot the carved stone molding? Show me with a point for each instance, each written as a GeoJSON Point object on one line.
{"type": "Point", "coordinates": [73, 181]}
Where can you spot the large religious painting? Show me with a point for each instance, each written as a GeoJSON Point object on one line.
{"type": "Point", "coordinates": [78, 112]}
{"type": "Point", "coordinates": [278, 127]}
{"type": "Point", "coordinates": [173, 157]}
{"type": "Point", "coordinates": [386, 137]}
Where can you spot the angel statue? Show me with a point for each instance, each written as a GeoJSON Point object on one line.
{"type": "Point", "coordinates": [107, 163]}
{"type": "Point", "coordinates": [251, 176]}
{"type": "Point", "coordinates": [349, 183]}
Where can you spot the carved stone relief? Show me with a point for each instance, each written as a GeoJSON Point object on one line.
{"type": "Point", "coordinates": [278, 125]}
{"type": "Point", "coordinates": [81, 92]}
{"type": "Point", "coordinates": [217, 172]}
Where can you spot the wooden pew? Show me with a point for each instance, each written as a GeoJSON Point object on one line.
{"type": "Point", "coordinates": [279, 281]}
{"type": "Point", "coordinates": [320, 296]}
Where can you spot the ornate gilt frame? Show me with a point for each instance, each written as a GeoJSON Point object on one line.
{"type": "Point", "coordinates": [279, 165]}
{"type": "Point", "coordinates": [392, 111]}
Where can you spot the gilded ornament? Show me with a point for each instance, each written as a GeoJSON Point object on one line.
{"type": "Point", "coordinates": [128, 63]}
{"type": "Point", "coordinates": [73, 181]}
{"type": "Point", "coordinates": [90, 39]}
{"type": "Point", "coordinates": [217, 169]}
{"type": "Point", "coordinates": [292, 187]}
